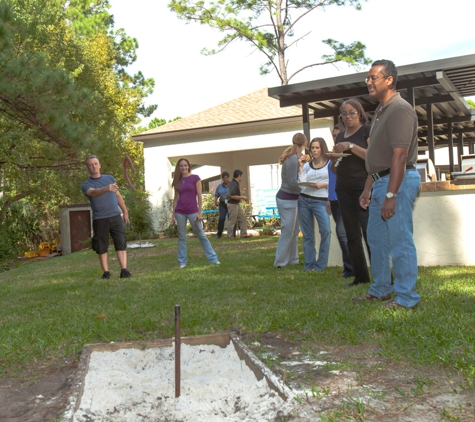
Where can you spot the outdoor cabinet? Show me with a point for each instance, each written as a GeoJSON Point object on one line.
{"type": "Point", "coordinates": [76, 228]}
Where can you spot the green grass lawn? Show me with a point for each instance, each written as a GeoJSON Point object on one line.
{"type": "Point", "coordinates": [49, 309]}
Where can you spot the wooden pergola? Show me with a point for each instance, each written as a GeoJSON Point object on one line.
{"type": "Point", "coordinates": [436, 89]}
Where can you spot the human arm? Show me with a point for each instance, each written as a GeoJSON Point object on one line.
{"type": "Point", "coordinates": [328, 208]}
{"type": "Point", "coordinates": [293, 167]}
{"type": "Point", "coordinates": [365, 197]}
{"type": "Point", "coordinates": [95, 192]}
{"type": "Point", "coordinates": [239, 198]}
{"type": "Point", "coordinates": [233, 190]}
{"type": "Point", "coordinates": [175, 202]}
{"type": "Point", "coordinates": [356, 150]}
{"type": "Point", "coordinates": [120, 201]}
{"type": "Point", "coordinates": [217, 195]}
{"type": "Point", "coordinates": [398, 168]}
{"type": "Point", "coordinates": [199, 192]}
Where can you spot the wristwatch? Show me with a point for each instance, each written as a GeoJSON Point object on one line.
{"type": "Point", "coordinates": [351, 145]}
{"type": "Point", "coordinates": [390, 195]}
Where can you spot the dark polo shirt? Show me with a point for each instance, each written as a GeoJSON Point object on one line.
{"type": "Point", "coordinates": [234, 190]}
{"type": "Point", "coordinates": [393, 126]}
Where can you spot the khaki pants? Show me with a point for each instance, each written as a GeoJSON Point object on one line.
{"type": "Point", "coordinates": [236, 215]}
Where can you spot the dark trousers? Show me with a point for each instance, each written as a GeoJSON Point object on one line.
{"type": "Point", "coordinates": [342, 239]}
{"type": "Point", "coordinates": [355, 220]}
{"type": "Point", "coordinates": [223, 211]}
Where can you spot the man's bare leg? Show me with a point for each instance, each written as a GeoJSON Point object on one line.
{"type": "Point", "coordinates": [104, 260]}
{"type": "Point", "coordinates": [122, 257]}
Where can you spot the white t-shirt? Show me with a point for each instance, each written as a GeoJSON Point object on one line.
{"type": "Point", "coordinates": [313, 175]}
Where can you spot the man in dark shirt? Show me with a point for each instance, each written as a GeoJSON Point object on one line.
{"type": "Point", "coordinates": [392, 184]}
{"type": "Point", "coordinates": [103, 193]}
{"type": "Point", "coordinates": [235, 212]}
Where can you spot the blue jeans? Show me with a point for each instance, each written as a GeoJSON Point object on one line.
{"type": "Point", "coordinates": [308, 208]}
{"type": "Point", "coordinates": [199, 232]}
{"type": "Point", "coordinates": [287, 251]}
{"type": "Point", "coordinates": [393, 239]}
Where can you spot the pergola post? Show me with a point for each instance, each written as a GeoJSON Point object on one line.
{"type": "Point", "coordinates": [460, 149]}
{"type": "Point", "coordinates": [306, 120]}
{"type": "Point", "coordinates": [430, 132]}
{"type": "Point", "coordinates": [450, 136]}
{"type": "Point", "coordinates": [410, 96]}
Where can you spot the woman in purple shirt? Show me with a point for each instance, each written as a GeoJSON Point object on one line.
{"type": "Point", "coordinates": [187, 207]}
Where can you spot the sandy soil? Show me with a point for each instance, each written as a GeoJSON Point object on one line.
{"type": "Point", "coordinates": [344, 383]}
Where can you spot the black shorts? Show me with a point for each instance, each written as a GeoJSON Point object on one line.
{"type": "Point", "coordinates": [102, 227]}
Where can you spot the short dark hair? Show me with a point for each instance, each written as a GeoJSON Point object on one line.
{"type": "Point", "coordinates": [237, 173]}
{"type": "Point", "coordinates": [224, 174]}
{"type": "Point", "coordinates": [90, 157]}
{"type": "Point", "coordinates": [390, 69]}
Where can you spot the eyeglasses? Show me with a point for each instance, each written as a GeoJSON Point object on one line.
{"type": "Point", "coordinates": [374, 78]}
{"type": "Point", "coordinates": [351, 113]}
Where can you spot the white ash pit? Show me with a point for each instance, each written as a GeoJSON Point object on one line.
{"type": "Point", "coordinates": [222, 381]}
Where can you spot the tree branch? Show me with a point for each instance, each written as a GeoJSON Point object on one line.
{"type": "Point", "coordinates": [312, 65]}
{"type": "Point", "coordinates": [10, 201]}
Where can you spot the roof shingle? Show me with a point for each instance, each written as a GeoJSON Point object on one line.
{"type": "Point", "coordinates": [253, 107]}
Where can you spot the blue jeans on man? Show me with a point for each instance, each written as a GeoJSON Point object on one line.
{"type": "Point", "coordinates": [308, 208]}
{"type": "Point", "coordinates": [393, 238]}
{"type": "Point", "coordinates": [199, 232]}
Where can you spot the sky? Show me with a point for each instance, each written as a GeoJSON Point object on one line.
{"type": "Point", "coordinates": [187, 82]}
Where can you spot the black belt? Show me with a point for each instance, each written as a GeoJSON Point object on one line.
{"type": "Point", "coordinates": [317, 198]}
{"type": "Point", "coordinates": [385, 172]}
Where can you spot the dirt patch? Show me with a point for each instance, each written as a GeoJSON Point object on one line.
{"type": "Point", "coordinates": [41, 395]}
{"type": "Point", "coordinates": [356, 383]}
{"type": "Point", "coordinates": [335, 384]}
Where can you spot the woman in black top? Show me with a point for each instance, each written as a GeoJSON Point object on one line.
{"type": "Point", "coordinates": [351, 178]}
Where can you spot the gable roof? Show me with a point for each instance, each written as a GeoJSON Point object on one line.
{"type": "Point", "coordinates": [254, 107]}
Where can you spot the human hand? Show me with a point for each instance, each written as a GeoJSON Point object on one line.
{"type": "Point", "coordinates": [112, 187]}
{"type": "Point", "coordinates": [125, 217]}
{"type": "Point", "coordinates": [388, 209]}
{"type": "Point", "coordinates": [328, 208]}
{"type": "Point", "coordinates": [245, 199]}
{"type": "Point", "coordinates": [365, 200]}
{"type": "Point", "coordinates": [341, 147]}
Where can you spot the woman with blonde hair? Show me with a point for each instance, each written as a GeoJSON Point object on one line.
{"type": "Point", "coordinates": [187, 206]}
{"type": "Point", "coordinates": [287, 198]}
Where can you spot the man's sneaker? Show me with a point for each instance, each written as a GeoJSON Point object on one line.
{"type": "Point", "coordinates": [106, 275]}
{"type": "Point", "coordinates": [124, 273]}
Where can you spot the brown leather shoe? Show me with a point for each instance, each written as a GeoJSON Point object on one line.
{"type": "Point", "coordinates": [369, 297]}
{"type": "Point", "coordinates": [394, 305]}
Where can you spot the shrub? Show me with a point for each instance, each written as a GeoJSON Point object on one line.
{"type": "Point", "coordinates": [267, 230]}
{"type": "Point", "coordinates": [140, 214]}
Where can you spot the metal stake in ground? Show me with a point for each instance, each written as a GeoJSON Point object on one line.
{"type": "Point", "coordinates": [177, 350]}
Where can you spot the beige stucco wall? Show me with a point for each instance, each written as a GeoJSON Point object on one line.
{"type": "Point", "coordinates": [444, 229]}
